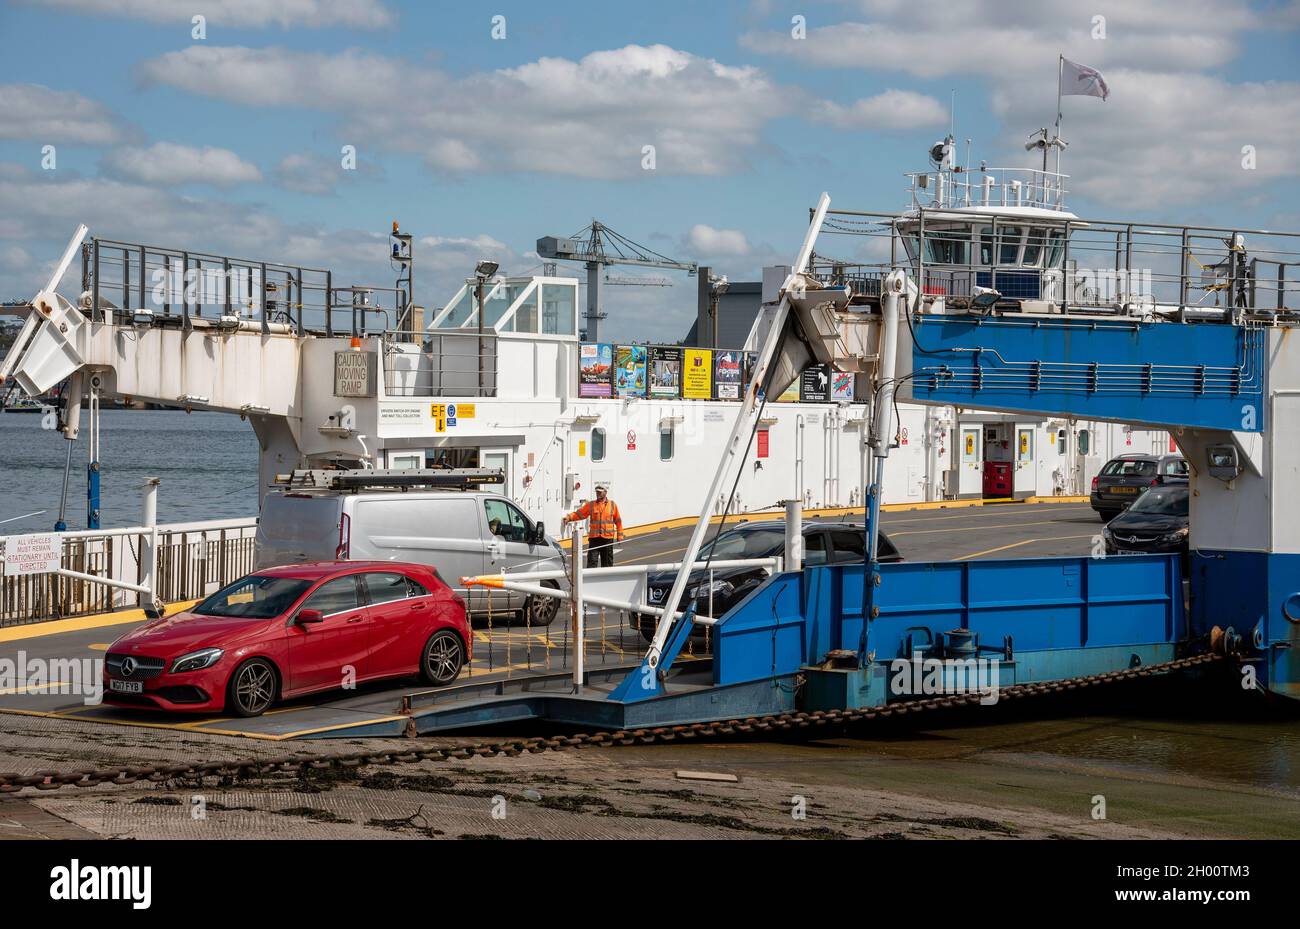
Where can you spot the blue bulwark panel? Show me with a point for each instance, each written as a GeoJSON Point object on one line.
{"type": "Point", "coordinates": [1041, 603]}
{"type": "Point", "coordinates": [1074, 608]}
{"type": "Point", "coordinates": [1172, 374]}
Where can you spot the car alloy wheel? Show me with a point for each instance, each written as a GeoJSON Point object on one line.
{"type": "Point", "coordinates": [443, 657]}
{"type": "Point", "coordinates": [541, 610]}
{"type": "Point", "coordinates": [252, 688]}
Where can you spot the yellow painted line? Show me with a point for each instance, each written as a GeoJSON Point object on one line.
{"type": "Point", "coordinates": [647, 528]}
{"type": "Point", "coordinates": [1003, 548]}
{"type": "Point", "coordinates": [302, 732]}
{"type": "Point", "coordinates": [32, 688]}
{"type": "Point", "coordinates": [80, 623]}
{"type": "Point", "coordinates": [999, 514]}
{"type": "Point", "coordinates": [1041, 522]}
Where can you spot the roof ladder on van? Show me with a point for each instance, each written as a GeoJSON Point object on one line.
{"type": "Point", "coordinates": [412, 478]}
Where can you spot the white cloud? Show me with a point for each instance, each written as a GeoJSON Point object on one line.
{"type": "Point", "coordinates": [710, 242]}
{"type": "Point", "coordinates": [1002, 39]}
{"type": "Point", "coordinates": [1150, 144]}
{"type": "Point", "coordinates": [893, 109]}
{"type": "Point", "coordinates": [591, 117]}
{"type": "Point", "coordinates": [310, 173]}
{"type": "Point", "coordinates": [357, 14]}
{"type": "Point", "coordinates": [167, 163]}
{"type": "Point", "coordinates": [47, 209]}
{"type": "Point", "coordinates": [38, 113]}
{"type": "Point", "coordinates": [1169, 135]}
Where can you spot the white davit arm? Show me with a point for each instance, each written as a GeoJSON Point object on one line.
{"type": "Point", "coordinates": [44, 304]}
{"type": "Point", "coordinates": [734, 447]}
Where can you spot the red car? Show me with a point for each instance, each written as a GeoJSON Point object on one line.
{"type": "Point", "coordinates": [293, 630]}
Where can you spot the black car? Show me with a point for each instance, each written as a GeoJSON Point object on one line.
{"type": "Point", "coordinates": [1156, 523]}
{"type": "Point", "coordinates": [823, 543]}
{"type": "Point", "coordinates": [1122, 480]}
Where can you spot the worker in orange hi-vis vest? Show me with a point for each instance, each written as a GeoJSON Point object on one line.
{"type": "Point", "coordinates": [604, 527]}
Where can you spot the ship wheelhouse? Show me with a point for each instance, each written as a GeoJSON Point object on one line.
{"type": "Point", "coordinates": [1003, 235]}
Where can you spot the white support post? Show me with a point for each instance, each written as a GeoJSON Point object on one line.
{"type": "Point", "coordinates": [149, 543]}
{"type": "Point", "coordinates": [794, 535]}
{"type": "Point", "coordinates": [734, 446]}
{"type": "Point", "coordinates": [576, 607]}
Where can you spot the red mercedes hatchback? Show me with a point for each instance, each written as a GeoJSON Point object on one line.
{"type": "Point", "coordinates": [293, 630]}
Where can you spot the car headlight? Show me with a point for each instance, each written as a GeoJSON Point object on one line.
{"type": "Point", "coordinates": [1175, 536]}
{"type": "Point", "coordinates": [703, 590]}
{"type": "Point", "coordinates": [197, 661]}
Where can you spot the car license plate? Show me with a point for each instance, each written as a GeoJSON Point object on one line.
{"type": "Point", "coordinates": [1123, 490]}
{"type": "Point", "coordinates": [126, 687]}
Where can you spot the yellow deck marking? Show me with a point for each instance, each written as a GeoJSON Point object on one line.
{"type": "Point", "coordinates": [80, 623]}
{"type": "Point", "coordinates": [32, 688]}
{"type": "Point", "coordinates": [1003, 548]}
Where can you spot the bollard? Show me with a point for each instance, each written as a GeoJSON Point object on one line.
{"type": "Point", "coordinates": [793, 535]}
{"type": "Point", "coordinates": [149, 545]}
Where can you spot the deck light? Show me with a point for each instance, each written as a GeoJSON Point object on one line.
{"type": "Point", "coordinates": [486, 268]}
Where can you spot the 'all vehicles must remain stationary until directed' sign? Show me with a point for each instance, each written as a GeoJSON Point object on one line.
{"type": "Point", "coordinates": [32, 554]}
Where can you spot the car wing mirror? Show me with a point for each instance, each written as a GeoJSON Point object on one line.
{"type": "Point", "coordinates": [309, 617]}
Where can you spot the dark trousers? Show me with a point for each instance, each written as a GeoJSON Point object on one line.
{"type": "Point", "coordinates": [600, 552]}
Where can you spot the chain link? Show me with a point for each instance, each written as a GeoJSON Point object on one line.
{"type": "Point", "coordinates": [780, 722]}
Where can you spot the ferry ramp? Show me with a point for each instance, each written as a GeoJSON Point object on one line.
{"type": "Point", "coordinates": [516, 664]}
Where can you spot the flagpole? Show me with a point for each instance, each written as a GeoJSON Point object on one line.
{"type": "Point", "coordinates": [1060, 73]}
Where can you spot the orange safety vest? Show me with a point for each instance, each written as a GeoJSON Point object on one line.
{"type": "Point", "coordinates": [604, 519]}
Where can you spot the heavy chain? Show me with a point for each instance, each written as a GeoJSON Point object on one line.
{"type": "Point", "coordinates": [775, 723]}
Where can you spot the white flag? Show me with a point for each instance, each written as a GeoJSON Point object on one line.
{"type": "Point", "coordinates": [1081, 80]}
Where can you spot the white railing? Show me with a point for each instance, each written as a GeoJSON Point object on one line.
{"type": "Point", "coordinates": [110, 569]}
{"type": "Point", "coordinates": [992, 187]}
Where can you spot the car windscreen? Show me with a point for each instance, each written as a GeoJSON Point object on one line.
{"type": "Point", "coordinates": [1162, 501]}
{"type": "Point", "coordinates": [1122, 467]}
{"type": "Point", "coordinates": [254, 597]}
{"type": "Point", "coordinates": [744, 543]}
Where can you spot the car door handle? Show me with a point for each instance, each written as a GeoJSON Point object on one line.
{"type": "Point", "coordinates": [417, 606]}
{"type": "Point", "coordinates": [354, 619]}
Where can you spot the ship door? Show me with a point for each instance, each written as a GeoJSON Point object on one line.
{"type": "Point", "coordinates": [970, 480]}
{"type": "Point", "coordinates": [499, 459]}
{"type": "Point", "coordinates": [1026, 470]}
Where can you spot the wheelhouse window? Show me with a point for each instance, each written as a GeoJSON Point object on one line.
{"type": "Point", "coordinates": [1034, 243]}
{"type": "Point", "coordinates": [1009, 250]}
{"type": "Point", "coordinates": [947, 247]}
{"type": "Point", "coordinates": [598, 445]}
{"type": "Point", "coordinates": [1055, 248]}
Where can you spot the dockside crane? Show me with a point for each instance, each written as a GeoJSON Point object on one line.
{"type": "Point", "coordinates": [599, 247]}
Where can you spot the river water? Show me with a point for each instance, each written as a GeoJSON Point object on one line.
{"type": "Point", "coordinates": [207, 463]}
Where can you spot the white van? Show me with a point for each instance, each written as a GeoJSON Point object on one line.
{"type": "Point", "coordinates": [459, 532]}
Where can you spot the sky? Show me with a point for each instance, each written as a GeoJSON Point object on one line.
{"type": "Point", "coordinates": [481, 127]}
